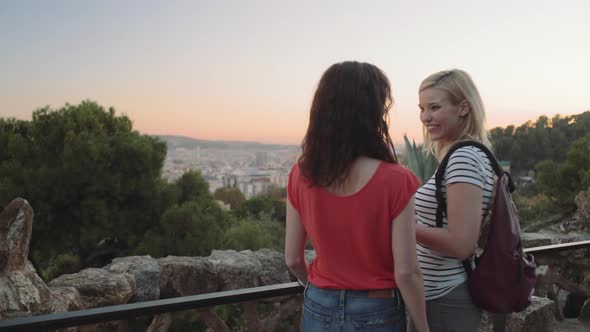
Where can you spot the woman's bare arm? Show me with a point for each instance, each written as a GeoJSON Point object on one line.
{"type": "Point", "coordinates": [408, 275]}
{"type": "Point", "coordinates": [464, 221]}
{"type": "Point", "coordinates": [295, 238]}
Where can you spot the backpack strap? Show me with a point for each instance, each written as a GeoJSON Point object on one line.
{"type": "Point", "coordinates": [441, 210]}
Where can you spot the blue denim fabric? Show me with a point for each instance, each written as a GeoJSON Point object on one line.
{"type": "Point", "coordinates": [350, 310]}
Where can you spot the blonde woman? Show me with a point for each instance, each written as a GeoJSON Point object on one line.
{"type": "Point", "coordinates": [451, 110]}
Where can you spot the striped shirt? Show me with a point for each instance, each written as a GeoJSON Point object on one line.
{"type": "Point", "coordinates": [466, 165]}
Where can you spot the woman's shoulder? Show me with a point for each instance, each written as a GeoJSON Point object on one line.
{"type": "Point", "coordinates": [401, 183]}
{"type": "Point", "coordinates": [469, 162]}
{"type": "Point", "coordinates": [471, 152]}
{"type": "Point", "coordinates": [295, 168]}
{"type": "Point", "coordinates": [395, 167]}
{"type": "Point", "coordinates": [295, 171]}
{"type": "Point", "coordinates": [295, 174]}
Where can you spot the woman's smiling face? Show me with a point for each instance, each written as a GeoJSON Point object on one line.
{"type": "Point", "coordinates": [442, 119]}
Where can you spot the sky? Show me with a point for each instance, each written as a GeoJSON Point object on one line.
{"type": "Point", "coordinates": [247, 70]}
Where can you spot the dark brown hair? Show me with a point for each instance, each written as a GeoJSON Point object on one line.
{"type": "Point", "coordinates": [348, 119]}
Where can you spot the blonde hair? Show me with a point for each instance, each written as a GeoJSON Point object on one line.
{"type": "Point", "coordinates": [458, 86]}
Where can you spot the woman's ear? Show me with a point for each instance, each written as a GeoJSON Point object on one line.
{"type": "Point", "coordinates": [464, 108]}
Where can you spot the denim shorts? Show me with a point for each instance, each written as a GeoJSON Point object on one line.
{"type": "Point", "coordinates": [351, 310]}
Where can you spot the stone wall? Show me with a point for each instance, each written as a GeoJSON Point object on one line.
{"type": "Point", "coordinates": [144, 278]}
{"type": "Point", "coordinates": [131, 279]}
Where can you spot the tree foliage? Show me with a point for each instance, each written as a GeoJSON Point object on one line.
{"type": "Point", "coordinates": [532, 142]}
{"type": "Point", "coordinates": [87, 174]}
{"type": "Point", "coordinates": [192, 187]}
{"type": "Point", "coordinates": [562, 181]}
{"type": "Point", "coordinates": [258, 205]}
{"type": "Point", "coordinates": [192, 225]}
{"type": "Point", "coordinates": [249, 234]}
{"type": "Point", "coordinates": [557, 150]}
{"type": "Point", "coordinates": [190, 229]}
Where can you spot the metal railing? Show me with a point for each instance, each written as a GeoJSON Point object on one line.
{"type": "Point", "coordinates": [558, 247]}
{"type": "Point", "coordinates": [130, 311]}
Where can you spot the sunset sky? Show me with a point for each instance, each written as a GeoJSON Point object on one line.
{"type": "Point", "coordinates": [246, 70]}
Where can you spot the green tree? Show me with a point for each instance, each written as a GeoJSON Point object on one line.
{"type": "Point", "coordinates": [532, 142]}
{"type": "Point", "coordinates": [254, 234]}
{"type": "Point", "coordinates": [247, 234]}
{"type": "Point", "coordinates": [191, 229]}
{"type": "Point", "coordinates": [564, 180]}
{"type": "Point", "coordinates": [259, 205]}
{"type": "Point", "coordinates": [192, 187]}
{"type": "Point", "coordinates": [193, 223]}
{"type": "Point", "coordinates": [88, 175]}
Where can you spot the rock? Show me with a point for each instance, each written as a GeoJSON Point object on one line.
{"type": "Point", "coordinates": [274, 269]}
{"type": "Point", "coordinates": [486, 324]}
{"type": "Point", "coordinates": [22, 291]}
{"type": "Point", "coordinates": [250, 269]}
{"type": "Point", "coordinates": [573, 305]}
{"type": "Point", "coordinates": [160, 323]}
{"type": "Point", "coordinates": [146, 273]}
{"type": "Point", "coordinates": [561, 298]}
{"type": "Point", "coordinates": [582, 201]}
{"type": "Point", "coordinates": [64, 299]}
{"type": "Point", "coordinates": [569, 325]}
{"type": "Point", "coordinates": [309, 256]}
{"type": "Point", "coordinates": [585, 313]}
{"type": "Point", "coordinates": [581, 219]}
{"type": "Point", "coordinates": [236, 269]}
{"type": "Point", "coordinates": [183, 276]}
{"type": "Point", "coordinates": [538, 317]}
{"type": "Point", "coordinates": [98, 287]}
{"type": "Point", "coordinates": [222, 270]}
{"type": "Point", "coordinates": [546, 275]}
{"type": "Point", "coordinates": [16, 225]}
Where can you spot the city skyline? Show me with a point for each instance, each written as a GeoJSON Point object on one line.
{"type": "Point", "coordinates": [234, 71]}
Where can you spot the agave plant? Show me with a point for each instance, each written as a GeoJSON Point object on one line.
{"type": "Point", "coordinates": [419, 161]}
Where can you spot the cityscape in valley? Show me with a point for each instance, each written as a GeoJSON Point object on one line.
{"type": "Point", "coordinates": [253, 168]}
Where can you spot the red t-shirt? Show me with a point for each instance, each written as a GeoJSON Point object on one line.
{"type": "Point", "coordinates": [352, 234]}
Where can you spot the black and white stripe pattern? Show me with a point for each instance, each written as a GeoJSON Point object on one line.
{"type": "Point", "coordinates": [466, 165]}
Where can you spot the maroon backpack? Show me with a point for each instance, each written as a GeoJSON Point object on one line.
{"type": "Point", "coordinates": [503, 278]}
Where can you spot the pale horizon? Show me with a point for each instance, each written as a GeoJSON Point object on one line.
{"type": "Point", "coordinates": [234, 71]}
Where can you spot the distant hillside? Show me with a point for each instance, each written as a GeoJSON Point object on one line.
{"type": "Point", "coordinates": [191, 143]}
